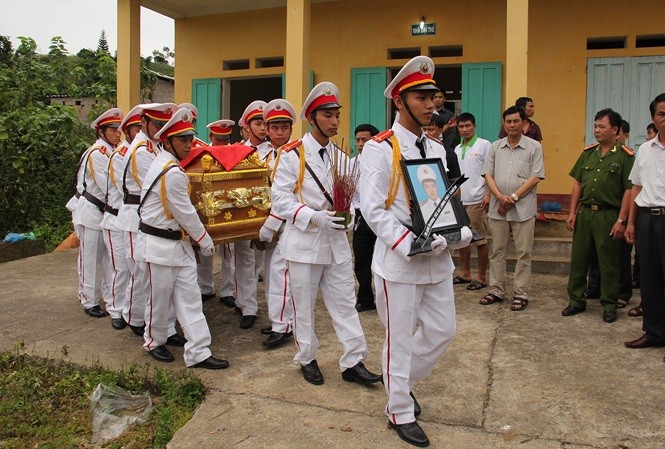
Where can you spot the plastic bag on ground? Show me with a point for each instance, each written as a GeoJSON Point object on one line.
{"type": "Point", "coordinates": [16, 237]}
{"type": "Point", "coordinates": [114, 410]}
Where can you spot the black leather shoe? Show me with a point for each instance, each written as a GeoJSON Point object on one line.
{"type": "Point", "coordinates": [95, 312]}
{"type": "Point", "coordinates": [247, 321]}
{"type": "Point", "coordinates": [609, 316]}
{"type": "Point", "coordinates": [365, 307]}
{"type": "Point", "coordinates": [411, 433]}
{"type": "Point", "coordinates": [161, 354]}
{"type": "Point", "coordinates": [360, 374]}
{"type": "Point", "coordinates": [138, 330]}
{"type": "Point", "coordinates": [176, 340]}
{"type": "Point", "coordinates": [276, 339]}
{"type": "Point", "coordinates": [644, 342]}
{"type": "Point", "coordinates": [228, 301]}
{"type": "Point", "coordinates": [312, 373]}
{"type": "Point", "coordinates": [118, 323]}
{"type": "Point", "coordinates": [416, 407]}
{"type": "Point", "coordinates": [207, 296]}
{"type": "Point", "coordinates": [266, 330]}
{"type": "Point", "coordinates": [212, 363]}
{"type": "Point", "coordinates": [572, 310]}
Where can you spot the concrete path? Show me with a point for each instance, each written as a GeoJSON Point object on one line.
{"type": "Point", "coordinates": [531, 379]}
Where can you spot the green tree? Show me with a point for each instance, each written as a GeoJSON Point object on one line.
{"type": "Point", "coordinates": [102, 44]}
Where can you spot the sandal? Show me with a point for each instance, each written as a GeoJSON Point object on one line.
{"type": "Point", "coordinates": [635, 311]}
{"type": "Point", "coordinates": [622, 303]}
{"type": "Point", "coordinates": [489, 298]}
{"type": "Point", "coordinates": [519, 304]}
{"type": "Point", "coordinates": [476, 285]}
{"type": "Point", "coordinates": [460, 280]}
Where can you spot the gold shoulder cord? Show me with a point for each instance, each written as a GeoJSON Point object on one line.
{"type": "Point", "coordinates": [396, 176]}
{"type": "Point", "coordinates": [162, 189]}
{"type": "Point", "coordinates": [133, 161]}
{"type": "Point", "coordinates": [111, 170]}
{"type": "Point", "coordinates": [92, 168]}
{"type": "Point", "coordinates": [301, 174]}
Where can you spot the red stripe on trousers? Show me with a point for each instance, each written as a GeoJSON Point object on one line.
{"type": "Point", "coordinates": [281, 313]}
{"type": "Point", "coordinates": [385, 291]}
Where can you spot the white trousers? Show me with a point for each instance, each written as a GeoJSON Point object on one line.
{"type": "Point", "coordinates": [338, 291]}
{"type": "Point", "coordinates": [228, 254]}
{"type": "Point", "coordinates": [258, 262]}
{"type": "Point", "coordinates": [115, 250]}
{"type": "Point", "coordinates": [245, 278]}
{"type": "Point", "coordinates": [278, 292]}
{"type": "Point", "coordinates": [93, 266]}
{"type": "Point", "coordinates": [134, 309]}
{"type": "Point", "coordinates": [409, 357]}
{"type": "Point", "coordinates": [176, 287]}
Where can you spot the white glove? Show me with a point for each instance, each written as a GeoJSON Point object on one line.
{"type": "Point", "coordinates": [266, 234]}
{"type": "Point", "coordinates": [352, 221]}
{"type": "Point", "coordinates": [325, 219]}
{"type": "Point", "coordinates": [439, 245]}
{"type": "Point", "coordinates": [207, 246]}
{"type": "Point", "coordinates": [466, 237]}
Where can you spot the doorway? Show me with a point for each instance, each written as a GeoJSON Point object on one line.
{"type": "Point", "coordinates": [238, 93]}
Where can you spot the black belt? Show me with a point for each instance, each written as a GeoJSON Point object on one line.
{"type": "Point", "coordinates": [110, 210]}
{"type": "Point", "coordinates": [163, 233]}
{"type": "Point", "coordinates": [596, 207]}
{"type": "Point", "coordinates": [77, 195]}
{"type": "Point", "coordinates": [653, 210]}
{"type": "Point", "coordinates": [94, 200]}
{"type": "Point", "coordinates": [128, 198]}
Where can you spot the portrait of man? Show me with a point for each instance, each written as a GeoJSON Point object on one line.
{"type": "Point", "coordinates": [429, 192]}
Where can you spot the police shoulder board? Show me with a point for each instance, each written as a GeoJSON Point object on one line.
{"type": "Point", "coordinates": [627, 150]}
{"type": "Point", "coordinates": [383, 135]}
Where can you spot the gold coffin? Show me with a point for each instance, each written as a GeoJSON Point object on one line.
{"type": "Point", "coordinates": [233, 205]}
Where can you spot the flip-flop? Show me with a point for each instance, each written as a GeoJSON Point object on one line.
{"type": "Point", "coordinates": [476, 285]}
{"type": "Point", "coordinates": [460, 280]}
{"type": "Point", "coordinates": [636, 311]}
{"type": "Point", "coordinates": [519, 304]}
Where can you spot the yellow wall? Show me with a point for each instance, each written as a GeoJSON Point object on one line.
{"type": "Point", "coordinates": [558, 33]}
{"type": "Point", "coordinates": [354, 33]}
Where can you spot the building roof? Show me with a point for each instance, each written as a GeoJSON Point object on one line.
{"type": "Point", "coordinates": [177, 9]}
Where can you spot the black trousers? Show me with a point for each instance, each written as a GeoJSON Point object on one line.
{"type": "Point", "coordinates": [651, 251]}
{"type": "Point", "coordinates": [625, 275]}
{"type": "Point", "coordinates": [363, 249]}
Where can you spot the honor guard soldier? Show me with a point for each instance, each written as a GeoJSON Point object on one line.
{"type": "Point", "coordinates": [410, 289]}
{"type": "Point", "coordinates": [279, 117]}
{"type": "Point", "coordinates": [314, 242]}
{"type": "Point", "coordinates": [113, 237]}
{"type": "Point", "coordinates": [92, 258]}
{"type": "Point", "coordinates": [139, 157]}
{"type": "Point", "coordinates": [195, 114]}
{"type": "Point", "coordinates": [219, 134]}
{"type": "Point", "coordinates": [170, 224]}
{"type": "Point", "coordinates": [599, 208]}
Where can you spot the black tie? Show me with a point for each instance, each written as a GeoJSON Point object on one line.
{"type": "Point", "coordinates": [420, 143]}
{"type": "Point", "coordinates": [322, 152]}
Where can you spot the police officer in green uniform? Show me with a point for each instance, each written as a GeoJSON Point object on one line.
{"type": "Point", "coordinates": [599, 207]}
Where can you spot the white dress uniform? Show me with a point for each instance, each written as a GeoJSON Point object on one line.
{"type": "Point", "coordinates": [73, 206]}
{"type": "Point", "coordinates": [113, 237]}
{"type": "Point", "coordinates": [140, 156]}
{"type": "Point", "coordinates": [170, 262]}
{"type": "Point", "coordinates": [412, 292]}
{"type": "Point", "coordinates": [94, 263]}
{"type": "Point", "coordinates": [316, 257]}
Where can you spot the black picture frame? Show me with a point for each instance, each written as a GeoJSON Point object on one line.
{"type": "Point", "coordinates": [453, 217]}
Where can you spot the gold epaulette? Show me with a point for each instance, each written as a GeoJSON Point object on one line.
{"type": "Point", "coordinates": [290, 146]}
{"type": "Point", "coordinates": [590, 147]}
{"type": "Point", "coordinates": [383, 135]}
{"type": "Point", "coordinates": [627, 150]}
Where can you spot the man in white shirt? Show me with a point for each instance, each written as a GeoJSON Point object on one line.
{"type": "Point", "coordinates": [471, 154]}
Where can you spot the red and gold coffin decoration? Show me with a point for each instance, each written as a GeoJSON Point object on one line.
{"type": "Point", "coordinates": [230, 190]}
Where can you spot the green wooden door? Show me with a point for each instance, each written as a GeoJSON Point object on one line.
{"type": "Point", "coordinates": [481, 96]}
{"type": "Point", "coordinates": [368, 105]}
{"type": "Point", "coordinates": [207, 97]}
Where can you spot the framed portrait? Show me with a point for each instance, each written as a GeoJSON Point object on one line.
{"type": "Point", "coordinates": [427, 182]}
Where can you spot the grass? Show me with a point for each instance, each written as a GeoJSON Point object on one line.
{"type": "Point", "coordinates": [45, 402]}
